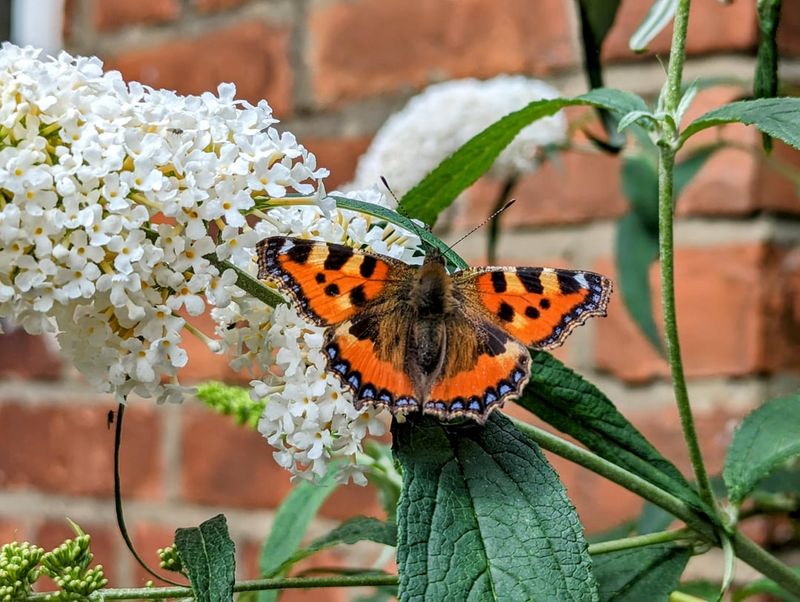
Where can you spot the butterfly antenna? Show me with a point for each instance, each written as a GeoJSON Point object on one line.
{"type": "Point", "coordinates": [484, 222]}
{"type": "Point", "coordinates": [400, 210]}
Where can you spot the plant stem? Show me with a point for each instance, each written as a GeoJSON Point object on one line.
{"type": "Point", "coordinates": [666, 162]}
{"type": "Point", "coordinates": [761, 560]}
{"type": "Point", "coordinates": [619, 475]}
{"type": "Point", "coordinates": [640, 541]}
{"type": "Point", "coordinates": [150, 593]}
{"type": "Point", "coordinates": [746, 549]}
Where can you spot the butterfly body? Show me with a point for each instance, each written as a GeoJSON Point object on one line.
{"type": "Point", "coordinates": [420, 339]}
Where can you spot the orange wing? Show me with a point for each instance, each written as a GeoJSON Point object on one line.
{"type": "Point", "coordinates": [328, 283]}
{"type": "Point", "coordinates": [498, 371]}
{"type": "Point", "coordinates": [538, 306]}
{"type": "Point", "coordinates": [371, 370]}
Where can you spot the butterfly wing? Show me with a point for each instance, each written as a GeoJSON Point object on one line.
{"type": "Point", "coordinates": [328, 283]}
{"type": "Point", "coordinates": [484, 367]}
{"type": "Point", "coordinates": [537, 306]}
{"type": "Point", "coordinates": [367, 354]}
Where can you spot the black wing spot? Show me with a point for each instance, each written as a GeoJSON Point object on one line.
{"type": "Point", "coordinates": [499, 282]}
{"type": "Point", "coordinates": [299, 252]}
{"type": "Point", "coordinates": [544, 303]}
{"type": "Point", "coordinates": [368, 265]}
{"type": "Point", "coordinates": [531, 279]}
{"type": "Point", "coordinates": [532, 312]}
{"type": "Point", "coordinates": [337, 257]}
{"type": "Point", "coordinates": [332, 290]}
{"type": "Point", "coordinates": [320, 277]}
{"type": "Point", "coordinates": [505, 312]}
{"type": "Point", "coordinates": [357, 296]}
{"type": "Point", "coordinates": [362, 329]}
{"type": "Point", "coordinates": [567, 284]}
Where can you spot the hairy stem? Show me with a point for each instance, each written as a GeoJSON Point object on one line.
{"type": "Point", "coordinates": [640, 541]}
{"type": "Point", "coordinates": [666, 164]}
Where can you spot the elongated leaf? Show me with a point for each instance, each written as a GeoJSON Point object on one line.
{"type": "Point", "coordinates": [359, 528]}
{"type": "Point", "coordinates": [636, 249]}
{"type": "Point", "coordinates": [766, 438]}
{"type": "Point", "coordinates": [574, 406]}
{"type": "Point", "coordinates": [652, 518]}
{"type": "Point", "coordinates": [778, 117]}
{"type": "Point", "coordinates": [439, 188]}
{"type": "Point", "coordinates": [640, 187]}
{"type": "Point", "coordinates": [658, 17]}
{"type": "Point", "coordinates": [291, 521]}
{"type": "Point", "coordinates": [209, 556]}
{"type": "Point", "coordinates": [651, 573]}
{"type": "Point", "coordinates": [483, 516]}
{"type": "Point", "coordinates": [688, 167]}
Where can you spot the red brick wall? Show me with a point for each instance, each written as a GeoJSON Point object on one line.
{"type": "Point", "coordinates": [333, 70]}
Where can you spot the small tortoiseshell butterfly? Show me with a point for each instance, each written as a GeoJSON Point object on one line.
{"type": "Point", "coordinates": [415, 338]}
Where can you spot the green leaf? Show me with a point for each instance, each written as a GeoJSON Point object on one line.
{"type": "Point", "coordinates": [461, 169]}
{"type": "Point", "coordinates": [658, 17]}
{"type": "Point", "coordinates": [778, 117]}
{"type": "Point", "coordinates": [640, 187]}
{"type": "Point", "coordinates": [208, 554]}
{"type": "Point", "coordinates": [766, 438]}
{"type": "Point", "coordinates": [650, 573]}
{"type": "Point", "coordinates": [483, 516]}
{"type": "Point", "coordinates": [596, 18]}
{"type": "Point", "coordinates": [762, 586]}
{"type": "Point", "coordinates": [652, 519]}
{"type": "Point", "coordinates": [559, 396]}
{"type": "Point", "coordinates": [291, 521]}
{"type": "Point", "coordinates": [358, 528]}
{"type": "Point", "coordinates": [635, 250]}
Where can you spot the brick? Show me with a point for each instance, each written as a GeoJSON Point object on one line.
{"type": "Point", "coordinates": [368, 47]}
{"type": "Point", "coordinates": [713, 27]}
{"type": "Point", "coordinates": [339, 155]}
{"type": "Point", "coordinates": [789, 29]}
{"type": "Point", "coordinates": [28, 357]}
{"type": "Point", "coordinates": [211, 6]}
{"type": "Point", "coordinates": [574, 188]}
{"type": "Point", "coordinates": [203, 363]}
{"type": "Point", "coordinates": [68, 449]}
{"type": "Point", "coordinates": [252, 54]}
{"type": "Point", "coordinates": [12, 530]}
{"type": "Point", "coordinates": [742, 283]}
{"type": "Point", "coordinates": [147, 539]}
{"type": "Point", "coordinates": [53, 533]}
{"type": "Point", "coordinates": [229, 465]}
{"type": "Point", "coordinates": [352, 500]}
{"type": "Point", "coordinates": [108, 15]}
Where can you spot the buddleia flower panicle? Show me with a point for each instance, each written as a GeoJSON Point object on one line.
{"type": "Point", "coordinates": [444, 116]}
{"type": "Point", "coordinates": [118, 203]}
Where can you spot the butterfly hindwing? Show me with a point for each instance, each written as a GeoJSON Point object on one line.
{"type": "Point", "coordinates": [368, 355]}
{"type": "Point", "coordinates": [538, 306]}
{"type": "Point", "coordinates": [328, 283]}
{"type": "Point", "coordinates": [484, 368]}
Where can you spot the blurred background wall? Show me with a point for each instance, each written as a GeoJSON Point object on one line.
{"type": "Point", "coordinates": [333, 71]}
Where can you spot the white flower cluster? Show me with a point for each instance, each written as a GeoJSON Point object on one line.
{"type": "Point", "coordinates": [113, 196]}
{"type": "Point", "coordinates": [444, 116]}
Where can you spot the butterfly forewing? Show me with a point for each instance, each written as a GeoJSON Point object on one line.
{"type": "Point", "coordinates": [328, 283]}
{"type": "Point", "coordinates": [539, 306]}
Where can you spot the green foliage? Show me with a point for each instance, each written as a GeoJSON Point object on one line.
{"type": "Point", "coordinates": [574, 406]}
{"type": "Point", "coordinates": [170, 559]}
{"type": "Point", "coordinates": [765, 82]}
{"type": "Point", "coordinates": [658, 17]}
{"type": "Point", "coordinates": [231, 401]}
{"type": "Point", "coordinates": [439, 188]}
{"type": "Point", "coordinates": [650, 573]}
{"type": "Point", "coordinates": [294, 515]}
{"type": "Point", "coordinates": [18, 569]}
{"type": "Point", "coordinates": [777, 117]}
{"type": "Point", "coordinates": [766, 438]}
{"type": "Point", "coordinates": [483, 516]}
{"type": "Point", "coordinates": [359, 528]}
{"type": "Point", "coordinates": [208, 554]}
